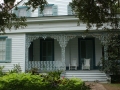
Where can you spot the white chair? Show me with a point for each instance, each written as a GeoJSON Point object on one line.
{"type": "Point", "coordinates": [86, 64]}
{"type": "Point", "coordinates": [73, 65]}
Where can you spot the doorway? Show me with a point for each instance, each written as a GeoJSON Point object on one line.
{"type": "Point", "coordinates": [86, 49]}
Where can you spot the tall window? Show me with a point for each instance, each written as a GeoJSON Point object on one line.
{"type": "Point", "coordinates": [5, 49]}
{"type": "Point", "coordinates": [47, 50]}
{"type": "Point", "coordinates": [2, 49]}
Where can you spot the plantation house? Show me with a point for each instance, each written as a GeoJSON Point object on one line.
{"type": "Point", "coordinates": [53, 41]}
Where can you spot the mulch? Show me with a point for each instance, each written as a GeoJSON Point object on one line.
{"type": "Point", "coordinates": [95, 86]}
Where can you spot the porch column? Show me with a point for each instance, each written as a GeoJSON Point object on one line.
{"type": "Point", "coordinates": [29, 39]}
{"type": "Point", "coordinates": [63, 40]}
{"type": "Point", "coordinates": [104, 38]}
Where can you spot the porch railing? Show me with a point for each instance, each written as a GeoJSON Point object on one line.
{"type": "Point", "coordinates": [46, 65]}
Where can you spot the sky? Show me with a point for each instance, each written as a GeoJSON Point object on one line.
{"type": "Point", "coordinates": [1, 1]}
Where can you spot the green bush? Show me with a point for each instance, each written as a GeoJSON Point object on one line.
{"type": "Point", "coordinates": [1, 71]}
{"type": "Point", "coordinates": [27, 81]}
{"type": "Point", "coordinates": [22, 81]}
{"type": "Point", "coordinates": [73, 84]}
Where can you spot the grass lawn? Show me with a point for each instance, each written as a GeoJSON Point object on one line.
{"type": "Point", "coordinates": [109, 86]}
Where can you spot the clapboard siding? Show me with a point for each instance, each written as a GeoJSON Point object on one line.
{"type": "Point", "coordinates": [18, 52]}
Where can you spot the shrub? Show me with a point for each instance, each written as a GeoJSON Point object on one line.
{"type": "Point", "coordinates": [27, 81]}
{"type": "Point", "coordinates": [1, 71]}
{"type": "Point", "coordinates": [55, 74]}
{"type": "Point", "coordinates": [73, 84]}
{"type": "Point", "coordinates": [22, 81]}
{"type": "Point", "coordinates": [16, 69]}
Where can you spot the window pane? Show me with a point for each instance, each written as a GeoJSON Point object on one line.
{"type": "Point", "coordinates": [48, 11]}
{"type": "Point", "coordinates": [49, 49]}
{"type": "Point", "coordinates": [44, 48]}
{"type": "Point", "coordinates": [83, 49]}
{"type": "Point", "coordinates": [2, 49]}
{"type": "Point", "coordinates": [22, 12]}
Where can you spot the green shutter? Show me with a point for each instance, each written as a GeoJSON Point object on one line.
{"type": "Point", "coordinates": [39, 12]}
{"type": "Point", "coordinates": [69, 10]}
{"type": "Point", "coordinates": [55, 10]}
{"type": "Point", "coordinates": [8, 50]}
{"type": "Point", "coordinates": [28, 13]}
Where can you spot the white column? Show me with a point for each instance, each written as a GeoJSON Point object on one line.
{"type": "Point", "coordinates": [63, 40]}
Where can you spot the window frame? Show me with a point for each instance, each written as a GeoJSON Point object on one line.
{"type": "Point", "coordinates": [8, 52]}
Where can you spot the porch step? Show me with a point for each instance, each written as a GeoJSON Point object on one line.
{"type": "Point", "coordinates": [86, 75]}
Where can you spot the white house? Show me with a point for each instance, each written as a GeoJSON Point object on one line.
{"type": "Point", "coordinates": [52, 40]}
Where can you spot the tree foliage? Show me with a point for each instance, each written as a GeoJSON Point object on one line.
{"type": "Point", "coordinates": [8, 19]}
{"type": "Point", "coordinates": [97, 12]}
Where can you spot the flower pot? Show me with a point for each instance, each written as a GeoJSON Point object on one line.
{"type": "Point", "coordinates": [115, 78]}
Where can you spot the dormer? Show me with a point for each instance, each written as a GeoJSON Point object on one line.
{"type": "Point", "coordinates": [49, 10]}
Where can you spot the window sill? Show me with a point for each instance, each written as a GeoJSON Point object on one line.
{"type": "Point", "coordinates": [5, 61]}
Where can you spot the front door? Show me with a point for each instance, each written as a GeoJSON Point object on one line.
{"type": "Point", "coordinates": [86, 49]}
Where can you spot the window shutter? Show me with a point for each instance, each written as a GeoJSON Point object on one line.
{"type": "Point", "coordinates": [8, 50]}
{"type": "Point", "coordinates": [39, 12]}
{"type": "Point", "coordinates": [28, 13]}
{"type": "Point", "coordinates": [55, 10]}
{"type": "Point", "coordinates": [69, 9]}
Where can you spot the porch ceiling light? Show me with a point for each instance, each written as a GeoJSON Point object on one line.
{"type": "Point", "coordinates": [83, 36]}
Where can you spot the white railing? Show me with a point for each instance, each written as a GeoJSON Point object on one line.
{"type": "Point", "coordinates": [46, 65]}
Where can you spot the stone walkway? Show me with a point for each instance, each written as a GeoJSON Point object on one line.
{"type": "Point", "coordinates": [95, 86]}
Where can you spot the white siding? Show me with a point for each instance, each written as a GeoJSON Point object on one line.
{"type": "Point", "coordinates": [57, 51]}
{"type": "Point", "coordinates": [18, 52]}
{"type": "Point", "coordinates": [98, 50]}
{"type": "Point", "coordinates": [72, 51]}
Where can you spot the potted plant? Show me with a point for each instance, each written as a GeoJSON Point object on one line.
{"type": "Point", "coordinates": [111, 66]}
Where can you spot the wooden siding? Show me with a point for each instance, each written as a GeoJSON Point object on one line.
{"type": "Point", "coordinates": [18, 52]}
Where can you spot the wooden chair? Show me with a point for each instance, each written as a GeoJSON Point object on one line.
{"type": "Point", "coordinates": [73, 65]}
{"type": "Point", "coordinates": [86, 64]}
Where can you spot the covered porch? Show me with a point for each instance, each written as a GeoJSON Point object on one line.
{"type": "Point", "coordinates": [48, 52]}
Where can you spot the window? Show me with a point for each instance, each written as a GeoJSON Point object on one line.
{"type": "Point", "coordinates": [22, 11]}
{"type": "Point", "coordinates": [2, 49]}
{"type": "Point", "coordinates": [5, 49]}
{"type": "Point", "coordinates": [69, 10]}
{"type": "Point", "coordinates": [49, 10]}
{"type": "Point", "coordinates": [47, 50]}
